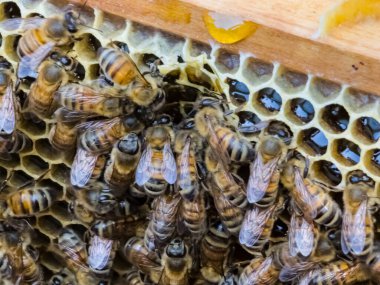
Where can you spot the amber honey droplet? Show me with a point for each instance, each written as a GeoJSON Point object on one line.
{"type": "Point", "coordinates": [269, 99]}
{"type": "Point", "coordinates": [349, 151]}
{"type": "Point", "coordinates": [302, 109]}
{"type": "Point", "coordinates": [316, 140]}
{"type": "Point", "coordinates": [239, 92]}
{"type": "Point", "coordinates": [228, 29]}
{"type": "Point", "coordinates": [174, 11]}
{"type": "Point", "coordinates": [349, 11]}
{"type": "Point", "coordinates": [336, 117]}
{"type": "Point", "coordinates": [369, 127]}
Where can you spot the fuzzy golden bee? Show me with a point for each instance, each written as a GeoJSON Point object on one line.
{"type": "Point", "coordinates": [86, 167]}
{"type": "Point", "coordinates": [120, 69]}
{"type": "Point", "coordinates": [100, 136]}
{"type": "Point", "coordinates": [29, 201]}
{"type": "Point", "coordinates": [215, 248]}
{"type": "Point", "coordinates": [125, 155]}
{"type": "Point", "coordinates": [265, 174]}
{"type": "Point", "coordinates": [260, 271]}
{"type": "Point", "coordinates": [193, 213]}
{"type": "Point", "coordinates": [41, 95]}
{"type": "Point", "coordinates": [357, 227]}
{"type": "Point", "coordinates": [187, 145]}
{"type": "Point", "coordinates": [311, 199]}
{"type": "Point", "coordinates": [163, 222]}
{"type": "Point", "coordinates": [40, 36]}
{"type": "Point", "coordinates": [85, 101]}
{"type": "Point", "coordinates": [157, 166]}
{"type": "Point", "coordinates": [257, 227]}
{"type": "Point", "coordinates": [176, 262]}
{"type": "Point", "coordinates": [63, 135]}
{"type": "Point", "coordinates": [15, 143]}
{"type": "Point", "coordinates": [227, 144]}
{"type": "Point", "coordinates": [232, 190]}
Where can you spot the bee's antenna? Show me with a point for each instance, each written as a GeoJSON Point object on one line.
{"type": "Point", "coordinates": [100, 31]}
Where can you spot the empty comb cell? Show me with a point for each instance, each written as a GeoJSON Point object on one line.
{"type": "Point", "coordinates": [313, 141]}
{"type": "Point", "coordinates": [238, 91]}
{"type": "Point", "coordinates": [335, 118]}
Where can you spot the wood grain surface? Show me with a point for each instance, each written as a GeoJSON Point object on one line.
{"type": "Point", "coordinates": [349, 55]}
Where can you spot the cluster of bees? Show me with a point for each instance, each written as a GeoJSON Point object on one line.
{"type": "Point", "coordinates": [162, 181]}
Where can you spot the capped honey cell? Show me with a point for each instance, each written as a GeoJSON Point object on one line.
{"type": "Point", "coordinates": [257, 71]}
{"type": "Point", "coordinates": [323, 90]}
{"type": "Point", "coordinates": [227, 62]}
{"type": "Point", "coordinates": [291, 81]}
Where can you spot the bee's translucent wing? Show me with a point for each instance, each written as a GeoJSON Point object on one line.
{"type": "Point", "coordinates": [253, 225]}
{"type": "Point", "coordinates": [143, 170]}
{"type": "Point", "coordinates": [184, 179]}
{"type": "Point", "coordinates": [82, 168]}
{"type": "Point", "coordinates": [353, 230]}
{"type": "Point", "coordinates": [99, 252]}
{"type": "Point", "coordinates": [306, 200]}
{"type": "Point", "coordinates": [21, 24]}
{"type": "Point", "coordinates": [7, 111]}
{"type": "Point", "coordinates": [262, 273]}
{"type": "Point", "coordinates": [169, 166]}
{"type": "Point", "coordinates": [29, 63]}
{"type": "Point", "coordinates": [301, 236]}
{"type": "Point", "coordinates": [259, 178]}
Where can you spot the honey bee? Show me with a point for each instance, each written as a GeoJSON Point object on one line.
{"type": "Point", "coordinates": [187, 144]}
{"type": "Point", "coordinates": [164, 219]}
{"type": "Point", "coordinates": [157, 166]}
{"type": "Point", "coordinates": [101, 254]}
{"type": "Point", "coordinates": [224, 142]}
{"type": "Point", "coordinates": [8, 107]}
{"type": "Point", "coordinates": [100, 136]}
{"type": "Point", "coordinates": [357, 227]}
{"type": "Point", "coordinates": [97, 198]}
{"type": "Point", "coordinates": [193, 213]}
{"type": "Point", "coordinates": [86, 167]}
{"type": "Point", "coordinates": [125, 155]}
{"type": "Point", "coordinates": [120, 228]}
{"type": "Point", "coordinates": [146, 261]}
{"type": "Point", "coordinates": [232, 191]}
{"type": "Point", "coordinates": [80, 212]}
{"type": "Point", "coordinates": [73, 68]}
{"type": "Point", "coordinates": [63, 135]}
{"type": "Point", "coordinates": [176, 262]}
{"type": "Point", "coordinates": [292, 266]}
{"type": "Point", "coordinates": [311, 199]}
{"type": "Point", "coordinates": [39, 37]}
{"type": "Point", "coordinates": [215, 248]}
{"type": "Point", "coordinates": [29, 201]}
{"type": "Point", "coordinates": [41, 94]}
{"type": "Point", "coordinates": [84, 101]}
{"type": "Point", "coordinates": [15, 143]}
{"type": "Point", "coordinates": [120, 69]}
{"type": "Point", "coordinates": [257, 227]}
{"type": "Point", "coordinates": [264, 176]}
{"type": "Point", "coordinates": [32, 272]}
{"type": "Point", "coordinates": [231, 216]}
{"type": "Point", "coordinates": [302, 236]}
{"type": "Point", "coordinates": [74, 249]}
{"type": "Point", "coordinates": [339, 272]}
{"type": "Point", "coordinates": [260, 271]}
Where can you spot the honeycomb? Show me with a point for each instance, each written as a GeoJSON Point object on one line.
{"type": "Point", "coordinates": [335, 126]}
